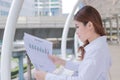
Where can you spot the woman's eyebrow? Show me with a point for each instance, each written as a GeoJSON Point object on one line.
{"type": "Point", "coordinates": [76, 25]}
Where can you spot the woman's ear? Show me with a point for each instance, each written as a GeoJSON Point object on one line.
{"type": "Point", "coordinates": [90, 25]}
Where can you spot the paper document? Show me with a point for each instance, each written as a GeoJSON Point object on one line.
{"type": "Point", "coordinates": [38, 51]}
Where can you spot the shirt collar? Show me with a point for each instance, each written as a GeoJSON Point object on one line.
{"type": "Point", "coordinates": [98, 41]}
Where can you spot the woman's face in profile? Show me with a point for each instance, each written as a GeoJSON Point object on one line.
{"type": "Point", "coordinates": [81, 31]}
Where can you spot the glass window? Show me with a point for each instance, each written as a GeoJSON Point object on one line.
{"type": "Point", "coordinates": [43, 0]}
{"type": "Point", "coordinates": [46, 13]}
{"type": "Point", "coordinates": [5, 4]}
{"type": "Point", "coordinates": [3, 13]}
{"type": "Point", "coordinates": [43, 5]}
{"type": "Point", "coordinates": [54, 0]}
{"type": "Point", "coordinates": [54, 4]}
{"type": "Point", "coordinates": [36, 5]}
{"type": "Point", "coordinates": [35, 0]}
{"type": "Point", "coordinates": [55, 11]}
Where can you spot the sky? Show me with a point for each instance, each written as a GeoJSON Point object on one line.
{"type": "Point", "coordinates": [67, 5]}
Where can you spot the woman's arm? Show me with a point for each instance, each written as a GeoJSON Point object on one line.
{"type": "Point", "coordinates": [88, 70]}
{"type": "Point", "coordinates": [72, 65]}
{"type": "Point", "coordinates": [67, 64]}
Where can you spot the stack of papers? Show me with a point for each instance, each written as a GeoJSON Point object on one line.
{"type": "Point", "coordinates": [38, 50]}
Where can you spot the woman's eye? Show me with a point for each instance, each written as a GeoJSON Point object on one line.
{"type": "Point", "coordinates": [77, 26]}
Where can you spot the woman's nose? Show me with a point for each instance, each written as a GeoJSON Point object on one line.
{"type": "Point", "coordinates": [76, 31]}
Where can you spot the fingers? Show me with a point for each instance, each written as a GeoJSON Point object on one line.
{"type": "Point", "coordinates": [36, 74]}
{"type": "Point", "coordinates": [52, 57]}
{"type": "Point", "coordinates": [57, 60]}
{"type": "Point", "coordinates": [39, 74]}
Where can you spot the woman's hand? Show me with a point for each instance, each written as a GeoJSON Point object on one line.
{"type": "Point", "coordinates": [39, 75]}
{"type": "Point", "coordinates": [56, 60]}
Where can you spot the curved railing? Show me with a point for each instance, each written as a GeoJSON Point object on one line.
{"type": "Point", "coordinates": [8, 39]}
{"type": "Point", "coordinates": [66, 29]}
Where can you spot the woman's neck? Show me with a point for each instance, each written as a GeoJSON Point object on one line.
{"type": "Point", "coordinates": [93, 37]}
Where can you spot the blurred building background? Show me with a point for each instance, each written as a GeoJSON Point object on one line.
{"type": "Point", "coordinates": [107, 8]}
{"type": "Point", "coordinates": [44, 19]}
{"type": "Point", "coordinates": [48, 7]}
{"type": "Point", "coordinates": [34, 7]}
{"type": "Point", "coordinates": [4, 7]}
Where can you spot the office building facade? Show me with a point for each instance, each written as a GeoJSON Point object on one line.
{"type": "Point", "coordinates": [27, 8]}
{"type": "Point", "coordinates": [4, 7]}
{"type": "Point", "coordinates": [34, 7]}
{"type": "Point", "coordinates": [48, 7]}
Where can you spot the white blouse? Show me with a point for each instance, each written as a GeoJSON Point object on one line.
{"type": "Point", "coordinates": [95, 65]}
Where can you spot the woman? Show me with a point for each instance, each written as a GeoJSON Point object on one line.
{"type": "Point", "coordinates": [95, 55]}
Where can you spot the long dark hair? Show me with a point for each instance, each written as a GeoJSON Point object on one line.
{"type": "Point", "coordinates": [86, 14]}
